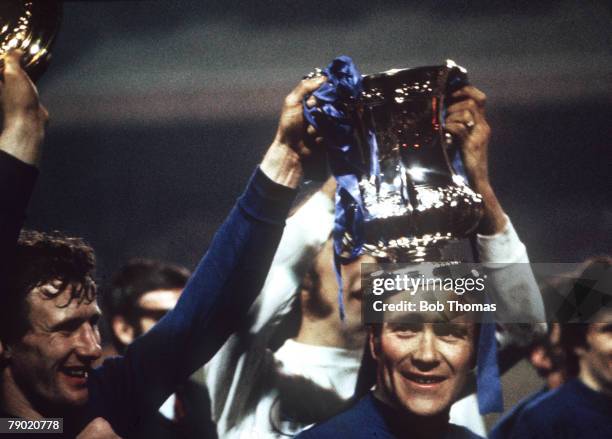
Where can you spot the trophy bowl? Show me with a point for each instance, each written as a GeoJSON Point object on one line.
{"type": "Point", "coordinates": [415, 195]}
{"type": "Point", "coordinates": [30, 26]}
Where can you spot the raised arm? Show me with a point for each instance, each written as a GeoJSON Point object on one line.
{"type": "Point", "coordinates": [306, 231]}
{"type": "Point", "coordinates": [23, 128]}
{"type": "Point", "coordinates": [515, 290]}
{"type": "Point", "coordinates": [243, 356]}
{"type": "Point", "coordinates": [223, 287]}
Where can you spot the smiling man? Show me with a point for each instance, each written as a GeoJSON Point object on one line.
{"type": "Point", "coordinates": [50, 337]}
{"type": "Point", "coordinates": [48, 334]}
{"type": "Point", "coordinates": [52, 359]}
{"type": "Point", "coordinates": [422, 366]}
{"type": "Point", "coordinates": [423, 361]}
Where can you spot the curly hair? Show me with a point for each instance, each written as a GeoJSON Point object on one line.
{"type": "Point", "coordinates": [41, 258]}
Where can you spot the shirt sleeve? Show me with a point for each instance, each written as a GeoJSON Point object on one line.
{"type": "Point", "coordinates": [520, 309]}
{"type": "Point", "coordinates": [242, 359]}
{"type": "Point", "coordinates": [502, 248]}
{"type": "Point", "coordinates": [305, 233]}
{"type": "Point", "coordinates": [526, 428]}
{"type": "Point", "coordinates": [17, 181]}
{"type": "Point", "coordinates": [212, 306]}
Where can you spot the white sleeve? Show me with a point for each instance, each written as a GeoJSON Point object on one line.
{"type": "Point", "coordinates": [242, 358]}
{"type": "Point", "coordinates": [514, 288]}
{"type": "Point", "coordinates": [306, 231]}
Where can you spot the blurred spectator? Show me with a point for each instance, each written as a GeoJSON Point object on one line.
{"type": "Point", "coordinates": [141, 293]}
{"type": "Point", "coordinates": [548, 357]}
{"type": "Point", "coordinates": [582, 406]}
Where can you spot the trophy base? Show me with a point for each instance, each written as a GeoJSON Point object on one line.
{"type": "Point", "coordinates": [427, 248]}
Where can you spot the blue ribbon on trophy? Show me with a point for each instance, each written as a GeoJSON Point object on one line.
{"type": "Point", "coordinates": [332, 118]}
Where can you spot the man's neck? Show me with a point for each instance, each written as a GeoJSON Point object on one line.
{"type": "Point", "coordinates": [330, 331]}
{"type": "Point", "coordinates": [13, 400]}
{"type": "Point", "coordinates": [420, 427]}
{"type": "Point", "coordinates": [587, 378]}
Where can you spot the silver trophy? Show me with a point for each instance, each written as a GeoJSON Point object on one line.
{"type": "Point", "coordinates": [415, 196]}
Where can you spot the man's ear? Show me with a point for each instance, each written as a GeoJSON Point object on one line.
{"type": "Point", "coordinates": [540, 360]}
{"type": "Point", "coordinates": [123, 330]}
{"type": "Point", "coordinates": [5, 352]}
{"type": "Point", "coordinates": [580, 351]}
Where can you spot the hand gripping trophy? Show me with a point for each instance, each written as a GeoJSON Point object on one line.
{"type": "Point", "coordinates": [30, 26]}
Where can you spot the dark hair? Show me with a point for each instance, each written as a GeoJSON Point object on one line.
{"type": "Point", "coordinates": [39, 259]}
{"type": "Point", "coordinates": [590, 283]}
{"type": "Point", "coordinates": [134, 279]}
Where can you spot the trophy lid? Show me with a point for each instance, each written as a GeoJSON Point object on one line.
{"type": "Point", "coordinates": [30, 26]}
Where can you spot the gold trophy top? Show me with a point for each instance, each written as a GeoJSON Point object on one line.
{"type": "Point", "coordinates": [30, 26]}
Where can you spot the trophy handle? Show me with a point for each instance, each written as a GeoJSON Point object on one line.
{"type": "Point", "coordinates": [455, 79]}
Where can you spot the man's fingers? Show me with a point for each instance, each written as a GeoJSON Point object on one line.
{"type": "Point", "coordinates": [12, 62]}
{"type": "Point", "coordinates": [13, 74]}
{"type": "Point", "coordinates": [471, 92]}
{"type": "Point", "coordinates": [311, 131]}
{"type": "Point", "coordinates": [309, 85]}
{"type": "Point", "coordinates": [468, 104]}
{"type": "Point", "coordinates": [311, 101]}
{"type": "Point", "coordinates": [462, 116]}
{"type": "Point", "coordinates": [13, 57]}
{"type": "Point", "coordinates": [99, 428]}
{"type": "Point", "coordinates": [463, 105]}
{"type": "Point", "coordinates": [305, 87]}
{"type": "Point", "coordinates": [458, 129]}
{"type": "Point", "coordinates": [314, 138]}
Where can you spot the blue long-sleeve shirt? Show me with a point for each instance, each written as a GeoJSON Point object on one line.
{"type": "Point", "coordinates": [505, 425]}
{"type": "Point", "coordinates": [17, 181]}
{"type": "Point", "coordinates": [571, 411]}
{"type": "Point", "coordinates": [371, 418]}
{"type": "Point", "coordinates": [125, 390]}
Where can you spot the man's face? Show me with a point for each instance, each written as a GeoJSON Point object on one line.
{"type": "Point", "coordinates": [153, 305]}
{"type": "Point", "coordinates": [52, 361]}
{"type": "Point", "coordinates": [326, 294]}
{"type": "Point", "coordinates": [150, 308]}
{"type": "Point", "coordinates": [422, 367]}
{"type": "Point", "coordinates": [596, 359]}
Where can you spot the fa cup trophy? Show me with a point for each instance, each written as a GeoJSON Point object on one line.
{"type": "Point", "coordinates": [402, 192]}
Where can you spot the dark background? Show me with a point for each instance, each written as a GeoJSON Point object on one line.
{"type": "Point", "coordinates": [160, 111]}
